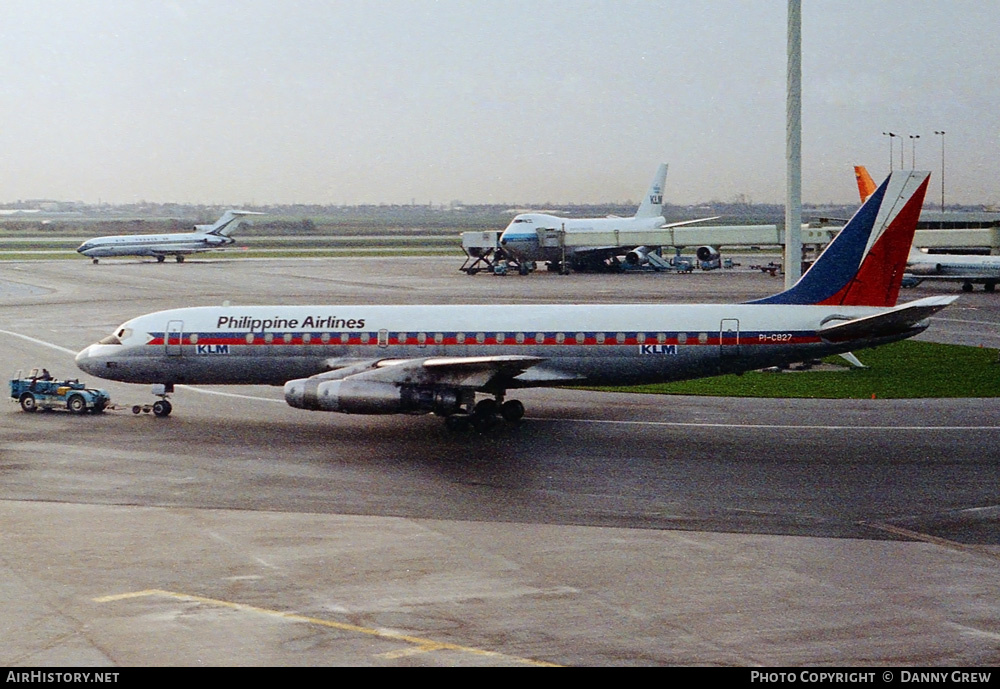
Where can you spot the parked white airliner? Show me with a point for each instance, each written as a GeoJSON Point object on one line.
{"type": "Point", "coordinates": [177, 244]}
{"type": "Point", "coordinates": [364, 359]}
{"type": "Point", "coordinates": [531, 237]}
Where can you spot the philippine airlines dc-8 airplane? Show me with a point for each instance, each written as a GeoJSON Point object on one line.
{"type": "Point", "coordinates": [365, 359]}
{"type": "Point", "coordinates": [178, 244]}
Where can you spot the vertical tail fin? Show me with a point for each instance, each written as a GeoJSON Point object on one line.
{"type": "Point", "coordinates": [652, 203]}
{"type": "Point", "coordinates": [866, 185]}
{"type": "Point", "coordinates": [225, 225]}
{"type": "Point", "coordinates": [864, 264]}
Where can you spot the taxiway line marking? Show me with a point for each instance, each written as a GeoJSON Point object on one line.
{"type": "Point", "coordinates": [417, 644]}
{"type": "Point", "coordinates": [694, 424]}
{"type": "Point", "coordinates": [928, 538]}
{"type": "Point", "coordinates": [230, 394]}
{"type": "Point", "coordinates": [40, 342]}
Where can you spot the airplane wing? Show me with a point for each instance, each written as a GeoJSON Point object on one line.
{"type": "Point", "coordinates": [889, 322]}
{"type": "Point", "coordinates": [475, 372]}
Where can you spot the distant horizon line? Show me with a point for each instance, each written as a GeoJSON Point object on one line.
{"type": "Point", "coordinates": [69, 207]}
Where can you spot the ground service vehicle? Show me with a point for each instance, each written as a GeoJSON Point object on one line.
{"type": "Point", "coordinates": [40, 391]}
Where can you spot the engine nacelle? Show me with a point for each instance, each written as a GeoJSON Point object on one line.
{"type": "Point", "coordinates": [367, 397]}
{"type": "Point", "coordinates": [707, 253]}
{"type": "Point", "coordinates": [924, 269]}
{"type": "Point", "coordinates": [638, 256]}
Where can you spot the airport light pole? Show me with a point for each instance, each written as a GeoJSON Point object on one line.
{"type": "Point", "coordinates": [941, 134]}
{"type": "Point", "coordinates": [913, 156]}
{"type": "Point", "coordinates": [891, 135]}
{"type": "Point", "coordinates": [793, 147]}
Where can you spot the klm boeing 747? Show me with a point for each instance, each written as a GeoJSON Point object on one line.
{"type": "Point", "coordinates": [532, 237]}
{"type": "Point", "coordinates": [364, 359]}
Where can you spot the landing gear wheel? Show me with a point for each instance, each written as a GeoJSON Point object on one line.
{"type": "Point", "coordinates": [990, 286]}
{"type": "Point", "coordinates": [95, 261]}
{"type": "Point", "coordinates": [162, 408]}
{"type": "Point", "coordinates": [967, 287]}
{"type": "Point", "coordinates": [512, 410]}
{"type": "Point", "coordinates": [77, 404]}
{"type": "Point", "coordinates": [160, 259]}
{"type": "Point", "coordinates": [180, 259]}
{"type": "Point", "coordinates": [28, 402]}
{"type": "Point", "coordinates": [136, 408]}
{"type": "Point", "coordinates": [485, 407]}
{"type": "Point", "coordinates": [484, 415]}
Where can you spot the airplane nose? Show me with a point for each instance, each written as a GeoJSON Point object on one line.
{"type": "Point", "coordinates": [85, 360]}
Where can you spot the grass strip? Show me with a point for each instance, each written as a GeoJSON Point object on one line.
{"type": "Point", "coordinates": [902, 370]}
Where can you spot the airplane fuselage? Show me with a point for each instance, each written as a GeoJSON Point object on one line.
{"type": "Point", "coordinates": [955, 265]}
{"type": "Point", "coordinates": [594, 344]}
{"type": "Point", "coordinates": [535, 236]}
{"type": "Point", "coordinates": [153, 244]}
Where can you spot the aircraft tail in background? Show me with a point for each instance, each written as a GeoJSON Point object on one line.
{"type": "Point", "coordinates": [652, 203]}
{"type": "Point", "coordinates": [226, 225]}
{"type": "Point", "coordinates": [866, 185]}
{"type": "Point", "coordinates": [864, 264]}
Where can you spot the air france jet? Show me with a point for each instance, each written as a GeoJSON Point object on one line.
{"type": "Point", "coordinates": [967, 269]}
{"type": "Point", "coordinates": [533, 237]}
{"type": "Point", "coordinates": [178, 244]}
{"type": "Point", "coordinates": [363, 359]}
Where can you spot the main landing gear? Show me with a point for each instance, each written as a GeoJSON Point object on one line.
{"type": "Point", "coordinates": [486, 415]}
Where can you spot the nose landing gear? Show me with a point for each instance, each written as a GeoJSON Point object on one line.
{"type": "Point", "coordinates": [160, 407]}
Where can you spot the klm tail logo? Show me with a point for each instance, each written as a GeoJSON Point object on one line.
{"type": "Point", "coordinates": [212, 349]}
{"type": "Point", "coordinates": [656, 199]}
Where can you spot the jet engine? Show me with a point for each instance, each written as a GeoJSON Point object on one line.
{"type": "Point", "coordinates": [707, 253]}
{"type": "Point", "coordinates": [924, 269]}
{"type": "Point", "coordinates": [638, 256]}
{"type": "Point", "coordinates": [708, 258]}
{"type": "Point", "coordinates": [374, 397]}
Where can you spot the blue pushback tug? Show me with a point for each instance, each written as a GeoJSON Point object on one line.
{"type": "Point", "coordinates": [39, 390]}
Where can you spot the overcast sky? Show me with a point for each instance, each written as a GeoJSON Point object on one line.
{"type": "Point", "coordinates": [576, 101]}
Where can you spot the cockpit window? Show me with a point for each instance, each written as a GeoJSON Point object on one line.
{"type": "Point", "coordinates": [117, 337]}
{"type": "Point", "coordinates": [522, 220]}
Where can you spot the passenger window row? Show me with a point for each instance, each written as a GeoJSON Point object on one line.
{"type": "Point", "coordinates": [471, 338]}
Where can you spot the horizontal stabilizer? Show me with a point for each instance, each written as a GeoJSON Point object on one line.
{"type": "Point", "coordinates": [892, 322]}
